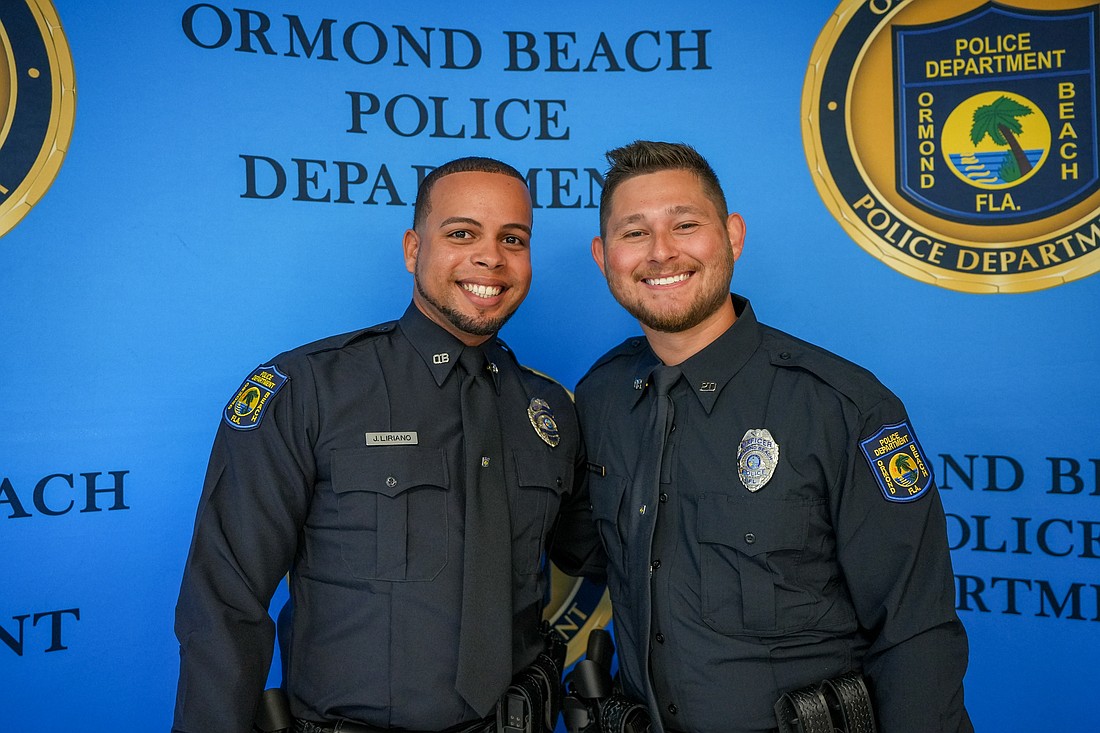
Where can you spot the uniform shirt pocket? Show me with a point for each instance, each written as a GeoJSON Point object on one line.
{"type": "Point", "coordinates": [750, 553]}
{"type": "Point", "coordinates": [541, 479]}
{"type": "Point", "coordinates": [606, 492]}
{"type": "Point", "coordinates": [392, 506]}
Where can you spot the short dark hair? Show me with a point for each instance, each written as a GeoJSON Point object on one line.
{"type": "Point", "coordinates": [645, 156]}
{"type": "Point", "coordinates": [471, 164]}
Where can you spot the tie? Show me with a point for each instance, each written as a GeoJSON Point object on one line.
{"type": "Point", "coordinates": [653, 467]}
{"type": "Point", "coordinates": [663, 379]}
{"type": "Point", "coordinates": [485, 639]}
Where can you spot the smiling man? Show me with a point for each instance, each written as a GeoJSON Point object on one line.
{"type": "Point", "coordinates": [773, 529]}
{"type": "Point", "coordinates": [408, 478]}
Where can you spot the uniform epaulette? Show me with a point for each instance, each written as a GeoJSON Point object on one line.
{"type": "Point", "coordinates": [346, 339]}
{"type": "Point", "coordinates": [630, 347]}
{"type": "Point", "coordinates": [547, 377]}
{"type": "Point", "coordinates": [853, 381]}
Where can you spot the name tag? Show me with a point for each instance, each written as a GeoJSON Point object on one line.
{"type": "Point", "coordinates": [407, 438]}
{"type": "Point", "coordinates": [596, 469]}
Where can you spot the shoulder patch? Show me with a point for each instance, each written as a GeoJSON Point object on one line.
{"type": "Point", "coordinates": [249, 404]}
{"type": "Point", "coordinates": [897, 462]}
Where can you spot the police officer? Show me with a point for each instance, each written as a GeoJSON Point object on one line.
{"type": "Point", "coordinates": [352, 464]}
{"type": "Point", "coordinates": [770, 517]}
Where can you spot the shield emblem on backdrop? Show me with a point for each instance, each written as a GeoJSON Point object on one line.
{"type": "Point", "coordinates": [996, 113]}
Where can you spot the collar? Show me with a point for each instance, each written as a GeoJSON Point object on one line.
{"type": "Point", "coordinates": [708, 371]}
{"type": "Point", "coordinates": [440, 350]}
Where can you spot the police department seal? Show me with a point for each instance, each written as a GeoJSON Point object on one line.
{"type": "Point", "coordinates": [37, 105]}
{"type": "Point", "coordinates": [576, 607]}
{"type": "Point", "coordinates": [956, 140]}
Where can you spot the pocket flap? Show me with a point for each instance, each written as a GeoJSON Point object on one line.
{"type": "Point", "coordinates": [751, 527]}
{"type": "Point", "coordinates": [540, 468]}
{"type": "Point", "coordinates": [388, 470]}
{"type": "Point", "coordinates": [606, 494]}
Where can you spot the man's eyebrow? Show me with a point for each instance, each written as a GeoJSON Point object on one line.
{"type": "Point", "coordinates": [626, 220]}
{"type": "Point", "coordinates": [684, 209]}
{"type": "Point", "coordinates": [671, 211]}
{"type": "Point", "coordinates": [459, 220]}
{"type": "Point", "coordinates": [522, 227]}
{"type": "Point", "coordinates": [474, 222]}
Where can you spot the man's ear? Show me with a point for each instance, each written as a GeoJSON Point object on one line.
{"type": "Point", "coordinates": [410, 243]}
{"type": "Point", "coordinates": [735, 228]}
{"type": "Point", "coordinates": [597, 254]}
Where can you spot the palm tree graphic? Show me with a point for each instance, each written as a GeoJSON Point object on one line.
{"type": "Point", "coordinates": [905, 469]}
{"type": "Point", "coordinates": [999, 121]}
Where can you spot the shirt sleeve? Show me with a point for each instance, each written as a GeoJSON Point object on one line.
{"type": "Point", "coordinates": [894, 555]}
{"type": "Point", "coordinates": [254, 500]}
{"type": "Point", "coordinates": [575, 546]}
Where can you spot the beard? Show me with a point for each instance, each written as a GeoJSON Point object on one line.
{"type": "Point", "coordinates": [710, 300]}
{"type": "Point", "coordinates": [473, 325]}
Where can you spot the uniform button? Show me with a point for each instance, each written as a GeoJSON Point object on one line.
{"type": "Point", "coordinates": [664, 498]}
{"type": "Point", "coordinates": [560, 482]}
{"type": "Point", "coordinates": [656, 564]}
{"type": "Point", "coordinates": [785, 355]}
{"type": "Point", "coordinates": [391, 481]}
{"type": "Point", "coordinates": [660, 638]}
{"type": "Point", "coordinates": [673, 709]}
{"type": "Point", "coordinates": [750, 537]}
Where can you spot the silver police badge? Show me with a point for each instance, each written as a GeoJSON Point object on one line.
{"type": "Point", "coordinates": [757, 457]}
{"type": "Point", "coordinates": [543, 421]}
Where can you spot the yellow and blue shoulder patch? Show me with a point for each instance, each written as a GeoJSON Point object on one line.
{"type": "Point", "coordinates": [898, 462]}
{"type": "Point", "coordinates": [249, 404]}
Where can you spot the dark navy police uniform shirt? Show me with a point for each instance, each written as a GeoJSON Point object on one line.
{"type": "Point", "coordinates": [725, 598]}
{"type": "Point", "coordinates": [330, 485]}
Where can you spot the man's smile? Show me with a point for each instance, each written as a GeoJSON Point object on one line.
{"type": "Point", "coordinates": [667, 279]}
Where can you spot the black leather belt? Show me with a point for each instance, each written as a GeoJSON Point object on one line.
{"type": "Point", "coordinates": [350, 726]}
{"type": "Point", "coordinates": [838, 704]}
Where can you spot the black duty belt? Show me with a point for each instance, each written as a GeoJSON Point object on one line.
{"type": "Point", "coordinates": [349, 726]}
{"type": "Point", "coordinates": [839, 704]}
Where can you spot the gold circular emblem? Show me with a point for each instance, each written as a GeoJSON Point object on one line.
{"type": "Point", "coordinates": [956, 140]}
{"type": "Point", "coordinates": [37, 105]}
{"type": "Point", "coordinates": [576, 607]}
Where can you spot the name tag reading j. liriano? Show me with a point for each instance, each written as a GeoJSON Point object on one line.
{"type": "Point", "coordinates": [405, 438]}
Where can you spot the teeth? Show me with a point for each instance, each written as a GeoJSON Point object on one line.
{"type": "Point", "coordinates": [667, 280]}
{"type": "Point", "coordinates": [482, 291]}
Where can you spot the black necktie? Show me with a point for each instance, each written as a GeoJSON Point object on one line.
{"type": "Point", "coordinates": [663, 378]}
{"type": "Point", "coordinates": [485, 639]}
{"type": "Point", "coordinates": [652, 466]}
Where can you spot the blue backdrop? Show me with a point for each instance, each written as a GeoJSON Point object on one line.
{"type": "Point", "coordinates": [236, 186]}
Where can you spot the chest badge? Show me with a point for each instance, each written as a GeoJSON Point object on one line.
{"type": "Point", "coordinates": [542, 419]}
{"type": "Point", "coordinates": [757, 457]}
